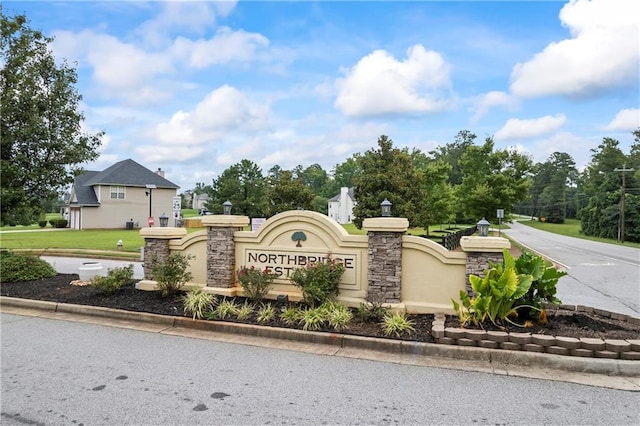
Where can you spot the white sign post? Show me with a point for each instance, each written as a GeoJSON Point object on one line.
{"type": "Point", "coordinates": [500, 215]}
{"type": "Point", "coordinates": [177, 210]}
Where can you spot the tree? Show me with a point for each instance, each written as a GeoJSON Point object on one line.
{"type": "Point", "coordinates": [439, 200]}
{"type": "Point", "coordinates": [603, 185]}
{"type": "Point", "coordinates": [452, 154]}
{"type": "Point", "coordinates": [344, 175]}
{"type": "Point", "coordinates": [387, 173]}
{"type": "Point", "coordinates": [492, 180]}
{"type": "Point", "coordinates": [244, 186]}
{"type": "Point", "coordinates": [42, 144]}
{"type": "Point", "coordinates": [288, 193]}
{"type": "Point", "coordinates": [550, 187]}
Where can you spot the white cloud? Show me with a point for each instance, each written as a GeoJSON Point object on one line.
{"type": "Point", "coordinates": [120, 69]}
{"type": "Point", "coordinates": [135, 74]}
{"type": "Point", "coordinates": [485, 102]}
{"type": "Point", "coordinates": [380, 84]}
{"type": "Point", "coordinates": [579, 148]}
{"type": "Point", "coordinates": [626, 119]}
{"type": "Point", "coordinates": [602, 53]}
{"type": "Point", "coordinates": [222, 111]}
{"type": "Point", "coordinates": [224, 47]}
{"type": "Point", "coordinates": [515, 128]}
{"type": "Point", "coordinates": [193, 17]}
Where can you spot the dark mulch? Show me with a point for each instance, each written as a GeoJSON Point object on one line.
{"type": "Point", "coordinates": [58, 289]}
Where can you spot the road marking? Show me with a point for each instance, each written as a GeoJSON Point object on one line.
{"type": "Point", "coordinates": [597, 264]}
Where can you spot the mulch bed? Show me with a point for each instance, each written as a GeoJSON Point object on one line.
{"type": "Point", "coordinates": [58, 289]}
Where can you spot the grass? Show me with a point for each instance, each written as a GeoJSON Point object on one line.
{"type": "Point", "coordinates": [571, 228]}
{"type": "Point", "coordinates": [98, 239]}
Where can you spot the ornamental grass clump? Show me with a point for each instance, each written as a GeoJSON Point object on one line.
{"type": "Point", "coordinates": [318, 281]}
{"type": "Point", "coordinates": [396, 323]}
{"type": "Point", "coordinates": [198, 303]}
{"type": "Point", "coordinates": [266, 313]}
{"type": "Point", "coordinates": [255, 282]}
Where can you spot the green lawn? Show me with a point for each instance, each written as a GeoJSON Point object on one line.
{"type": "Point", "coordinates": [571, 228]}
{"type": "Point", "coordinates": [100, 239]}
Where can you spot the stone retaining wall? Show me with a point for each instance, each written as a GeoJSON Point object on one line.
{"type": "Point", "coordinates": [583, 347]}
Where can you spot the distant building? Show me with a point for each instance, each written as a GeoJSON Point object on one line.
{"type": "Point", "coordinates": [341, 206]}
{"type": "Point", "coordinates": [199, 201]}
{"type": "Point", "coordinates": [123, 193]}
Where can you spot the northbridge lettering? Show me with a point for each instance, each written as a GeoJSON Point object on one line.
{"type": "Point", "coordinates": [284, 264]}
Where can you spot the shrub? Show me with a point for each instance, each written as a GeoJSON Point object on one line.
{"type": "Point", "coordinates": [255, 282]}
{"type": "Point", "coordinates": [197, 303]}
{"type": "Point", "coordinates": [396, 323]}
{"type": "Point", "coordinates": [58, 222]}
{"type": "Point", "coordinates": [61, 223]}
{"type": "Point", "coordinates": [371, 311]}
{"type": "Point", "coordinates": [318, 281]}
{"type": "Point", "coordinates": [115, 279]}
{"type": "Point", "coordinates": [172, 274]}
{"type": "Point", "coordinates": [16, 267]}
{"type": "Point", "coordinates": [42, 223]}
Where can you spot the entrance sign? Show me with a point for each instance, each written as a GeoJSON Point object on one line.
{"type": "Point", "coordinates": [283, 262]}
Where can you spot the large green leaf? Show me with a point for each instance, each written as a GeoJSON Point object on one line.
{"type": "Point", "coordinates": [507, 284]}
{"type": "Point", "coordinates": [523, 285]}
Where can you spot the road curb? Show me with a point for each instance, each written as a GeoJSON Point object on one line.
{"type": "Point", "coordinates": [499, 359]}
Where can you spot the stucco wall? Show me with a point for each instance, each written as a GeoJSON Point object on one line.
{"type": "Point", "coordinates": [115, 213]}
{"type": "Point", "coordinates": [430, 275]}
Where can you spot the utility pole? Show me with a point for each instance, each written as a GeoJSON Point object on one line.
{"type": "Point", "coordinates": [621, 228]}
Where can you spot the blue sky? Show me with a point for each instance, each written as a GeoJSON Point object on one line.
{"type": "Point", "coordinates": [194, 87]}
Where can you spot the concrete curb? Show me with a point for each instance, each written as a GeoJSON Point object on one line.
{"type": "Point", "coordinates": [498, 359]}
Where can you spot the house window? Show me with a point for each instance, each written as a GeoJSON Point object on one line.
{"type": "Point", "coordinates": [116, 193]}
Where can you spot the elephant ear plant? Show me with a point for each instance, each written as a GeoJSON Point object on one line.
{"type": "Point", "coordinates": [545, 280]}
{"type": "Point", "coordinates": [496, 295]}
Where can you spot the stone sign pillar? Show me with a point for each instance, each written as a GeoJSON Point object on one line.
{"type": "Point", "coordinates": [221, 248]}
{"type": "Point", "coordinates": [385, 258]}
{"type": "Point", "coordinates": [156, 246]}
{"type": "Point", "coordinates": [480, 251]}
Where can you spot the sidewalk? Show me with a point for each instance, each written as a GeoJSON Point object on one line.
{"type": "Point", "coordinates": [71, 265]}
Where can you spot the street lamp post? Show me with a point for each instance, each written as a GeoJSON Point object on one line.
{"type": "Point", "coordinates": [149, 194]}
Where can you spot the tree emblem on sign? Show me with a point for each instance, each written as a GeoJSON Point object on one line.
{"type": "Point", "coordinates": [298, 236]}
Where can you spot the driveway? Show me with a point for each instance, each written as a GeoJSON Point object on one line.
{"type": "Point", "coordinates": [601, 275]}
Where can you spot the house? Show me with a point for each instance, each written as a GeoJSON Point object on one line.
{"type": "Point", "coordinates": [124, 195]}
{"type": "Point", "coordinates": [200, 201]}
{"type": "Point", "coordinates": [341, 206]}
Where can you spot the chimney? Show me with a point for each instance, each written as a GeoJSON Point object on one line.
{"type": "Point", "coordinates": [160, 172]}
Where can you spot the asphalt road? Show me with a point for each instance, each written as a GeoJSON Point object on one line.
{"type": "Point", "coordinates": [62, 373]}
{"type": "Point", "coordinates": [601, 275]}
